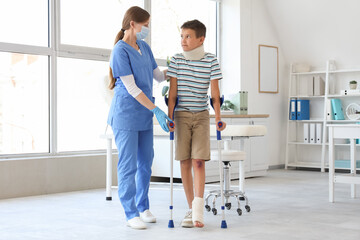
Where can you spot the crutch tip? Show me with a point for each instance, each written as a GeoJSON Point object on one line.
{"type": "Point", "coordinates": [171, 224]}
{"type": "Point", "coordinates": [223, 224]}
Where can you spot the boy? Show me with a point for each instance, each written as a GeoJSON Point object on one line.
{"type": "Point", "coordinates": [191, 73]}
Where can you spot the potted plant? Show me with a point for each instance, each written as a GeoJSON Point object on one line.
{"type": "Point", "coordinates": [353, 84]}
{"type": "Point", "coordinates": [165, 89]}
{"type": "Point", "coordinates": [227, 107]}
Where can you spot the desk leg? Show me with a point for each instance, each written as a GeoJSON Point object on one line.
{"type": "Point", "coordinates": [331, 165]}
{"type": "Point", "coordinates": [242, 168]}
{"type": "Point", "coordinates": [108, 169]}
{"type": "Point", "coordinates": [353, 165]}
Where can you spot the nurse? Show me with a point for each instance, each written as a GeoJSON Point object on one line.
{"type": "Point", "coordinates": [132, 70]}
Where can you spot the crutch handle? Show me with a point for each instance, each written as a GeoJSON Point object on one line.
{"type": "Point", "coordinates": [218, 133]}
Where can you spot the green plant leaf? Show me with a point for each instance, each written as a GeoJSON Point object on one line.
{"type": "Point", "coordinates": [164, 90]}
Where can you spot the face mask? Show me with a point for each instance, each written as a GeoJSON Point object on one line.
{"type": "Point", "coordinates": [143, 33]}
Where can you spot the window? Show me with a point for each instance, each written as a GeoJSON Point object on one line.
{"type": "Point", "coordinates": [93, 23]}
{"type": "Point", "coordinates": [24, 22]}
{"type": "Point", "coordinates": [24, 109]}
{"type": "Point", "coordinates": [53, 94]}
{"type": "Point", "coordinates": [167, 16]}
{"type": "Point", "coordinates": [83, 104]}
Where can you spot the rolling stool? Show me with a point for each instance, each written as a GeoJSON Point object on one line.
{"type": "Point", "coordinates": [228, 155]}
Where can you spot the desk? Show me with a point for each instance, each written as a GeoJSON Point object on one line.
{"type": "Point", "coordinates": [343, 131]}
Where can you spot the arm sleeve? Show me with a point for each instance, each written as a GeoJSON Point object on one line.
{"type": "Point", "coordinates": [159, 76]}
{"type": "Point", "coordinates": [130, 85]}
{"type": "Point", "coordinates": [153, 62]}
{"type": "Point", "coordinates": [215, 70]}
{"type": "Point", "coordinates": [120, 63]}
{"type": "Point", "coordinates": [172, 69]}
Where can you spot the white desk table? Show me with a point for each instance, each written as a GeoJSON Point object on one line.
{"type": "Point", "coordinates": [343, 131]}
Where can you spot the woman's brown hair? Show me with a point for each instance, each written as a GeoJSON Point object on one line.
{"type": "Point", "coordinates": [136, 14]}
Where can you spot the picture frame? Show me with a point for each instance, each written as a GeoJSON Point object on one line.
{"type": "Point", "coordinates": [268, 69]}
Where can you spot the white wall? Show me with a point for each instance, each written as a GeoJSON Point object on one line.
{"type": "Point", "coordinates": [255, 27]}
{"type": "Point", "coordinates": [316, 31]}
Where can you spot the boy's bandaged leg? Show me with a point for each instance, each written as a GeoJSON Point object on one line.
{"type": "Point", "coordinates": [198, 210]}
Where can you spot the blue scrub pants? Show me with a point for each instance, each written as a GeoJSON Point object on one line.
{"type": "Point", "coordinates": [136, 153]}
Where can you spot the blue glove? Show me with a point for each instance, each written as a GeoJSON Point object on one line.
{"type": "Point", "coordinates": [161, 117]}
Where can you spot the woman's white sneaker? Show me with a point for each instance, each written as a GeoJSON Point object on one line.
{"type": "Point", "coordinates": [136, 223]}
{"type": "Point", "coordinates": [147, 217]}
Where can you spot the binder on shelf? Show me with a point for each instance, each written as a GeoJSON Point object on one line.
{"type": "Point", "coordinates": [306, 133]}
{"type": "Point", "coordinates": [329, 112]}
{"type": "Point", "coordinates": [292, 109]}
{"type": "Point", "coordinates": [246, 103]}
{"type": "Point", "coordinates": [303, 111]}
{"type": "Point", "coordinates": [312, 133]}
{"type": "Point", "coordinates": [337, 109]}
{"type": "Point", "coordinates": [318, 133]}
{"type": "Point", "coordinates": [319, 86]}
{"type": "Point", "coordinates": [240, 101]}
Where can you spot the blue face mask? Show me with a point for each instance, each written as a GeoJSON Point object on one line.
{"type": "Point", "coordinates": [143, 33]}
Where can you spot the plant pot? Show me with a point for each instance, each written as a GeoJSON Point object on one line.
{"type": "Point", "coordinates": [353, 85]}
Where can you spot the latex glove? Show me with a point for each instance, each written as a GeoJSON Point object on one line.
{"type": "Point", "coordinates": [161, 117]}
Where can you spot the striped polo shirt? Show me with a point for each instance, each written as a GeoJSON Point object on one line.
{"type": "Point", "coordinates": [193, 80]}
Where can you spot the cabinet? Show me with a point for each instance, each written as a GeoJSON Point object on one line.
{"type": "Point", "coordinates": [315, 155]}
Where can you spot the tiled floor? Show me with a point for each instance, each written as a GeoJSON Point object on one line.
{"type": "Point", "coordinates": [285, 205]}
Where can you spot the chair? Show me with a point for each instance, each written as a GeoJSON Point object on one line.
{"type": "Point", "coordinates": [228, 155]}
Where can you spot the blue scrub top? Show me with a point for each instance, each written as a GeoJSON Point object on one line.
{"type": "Point", "coordinates": [126, 112]}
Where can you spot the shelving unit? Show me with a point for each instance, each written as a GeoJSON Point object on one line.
{"type": "Point", "coordinates": [296, 148]}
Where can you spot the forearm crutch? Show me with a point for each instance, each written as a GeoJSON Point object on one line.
{"type": "Point", "coordinates": [171, 222]}
{"type": "Point", "coordinates": [218, 137]}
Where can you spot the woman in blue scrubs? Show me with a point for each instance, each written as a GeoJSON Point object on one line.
{"type": "Point", "coordinates": [132, 70]}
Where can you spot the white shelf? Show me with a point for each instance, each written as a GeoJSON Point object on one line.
{"type": "Point", "coordinates": [342, 121]}
{"type": "Point", "coordinates": [342, 96]}
{"type": "Point", "coordinates": [307, 96]}
{"type": "Point", "coordinates": [320, 144]}
{"type": "Point", "coordinates": [309, 73]}
{"type": "Point", "coordinates": [299, 147]}
{"type": "Point", "coordinates": [313, 165]}
{"type": "Point", "coordinates": [303, 143]}
{"type": "Point", "coordinates": [308, 121]}
{"type": "Point", "coordinates": [304, 164]}
{"type": "Point", "coordinates": [345, 70]}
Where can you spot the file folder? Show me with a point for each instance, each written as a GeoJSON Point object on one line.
{"type": "Point", "coordinates": [329, 112]}
{"type": "Point", "coordinates": [306, 133]}
{"type": "Point", "coordinates": [312, 133]}
{"type": "Point", "coordinates": [337, 109]}
{"type": "Point", "coordinates": [292, 109]}
{"type": "Point", "coordinates": [318, 133]}
{"type": "Point", "coordinates": [302, 109]}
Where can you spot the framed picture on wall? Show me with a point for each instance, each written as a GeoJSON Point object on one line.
{"type": "Point", "coordinates": [268, 69]}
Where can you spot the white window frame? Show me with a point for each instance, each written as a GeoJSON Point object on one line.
{"type": "Point", "coordinates": [54, 50]}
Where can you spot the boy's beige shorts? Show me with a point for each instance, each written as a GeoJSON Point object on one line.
{"type": "Point", "coordinates": [192, 135]}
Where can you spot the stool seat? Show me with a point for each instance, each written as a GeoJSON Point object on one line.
{"type": "Point", "coordinates": [228, 155]}
{"type": "Point", "coordinates": [240, 131]}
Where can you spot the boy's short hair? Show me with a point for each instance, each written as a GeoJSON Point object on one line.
{"type": "Point", "coordinates": [197, 26]}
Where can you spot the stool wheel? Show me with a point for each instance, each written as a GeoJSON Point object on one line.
{"type": "Point", "coordinates": [228, 206]}
{"type": "Point", "coordinates": [239, 211]}
{"type": "Point", "coordinates": [247, 207]}
{"type": "Point", "coordinates": [241, 198]}
{"type": "Point", "coordinates": [208, 208]}
{"type": "Point", "coordinates": [214, 211]}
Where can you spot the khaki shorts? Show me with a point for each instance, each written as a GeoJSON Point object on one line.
{"type": "Point", "coordinates": [192, 135]}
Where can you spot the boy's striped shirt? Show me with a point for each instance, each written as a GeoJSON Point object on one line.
{"type": "Point", "coordinates": [193, 80]}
